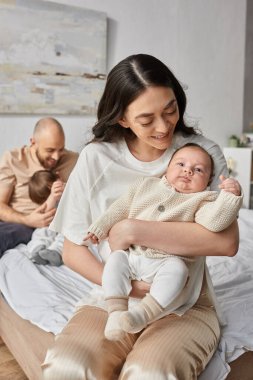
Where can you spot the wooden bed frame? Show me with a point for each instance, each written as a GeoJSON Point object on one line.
{"type": "Point", "coordinates": [28, 344]}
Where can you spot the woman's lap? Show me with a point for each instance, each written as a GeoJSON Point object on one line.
{"type": "Point", "coordinates": [81, 351]}
{"type": "Point", "coordinates": [170, 348]}
{"type": "Point", "coordinates": [174, 347]}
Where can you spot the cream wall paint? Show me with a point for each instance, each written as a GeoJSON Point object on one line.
{"type": "Point", "coordinates": [203, 42]}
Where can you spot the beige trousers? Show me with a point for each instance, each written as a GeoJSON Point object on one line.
{"type": "Point", "coordinates": [172, 348]}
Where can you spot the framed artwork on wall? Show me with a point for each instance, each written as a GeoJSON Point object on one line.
{"type": "Point", "coordinates": [52, 58]}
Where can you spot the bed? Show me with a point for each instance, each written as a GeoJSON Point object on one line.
{"type": "Point", "coordinates": [37, 301]}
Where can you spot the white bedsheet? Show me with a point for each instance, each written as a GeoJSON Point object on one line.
{"type": "Point", "coordinates": [43, 294]}
{"type": "Point", "coordinates": [233, 282]}
{"type": "Point", "coordinates": [47, 295]}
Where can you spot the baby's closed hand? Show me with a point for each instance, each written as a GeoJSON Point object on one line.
{"type": "Point", "coordinates": [230, 185]}
{"type": "Point", "coordinates": [57, 189]}
{"type": "Point", "coordinates": [93, 238]}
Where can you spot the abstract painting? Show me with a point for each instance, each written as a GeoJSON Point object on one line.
{"type": "Point", "coordinates": [52, 58]}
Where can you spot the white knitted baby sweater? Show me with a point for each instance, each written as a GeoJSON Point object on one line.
{"type": "Point", "coordinates": [152, 198]}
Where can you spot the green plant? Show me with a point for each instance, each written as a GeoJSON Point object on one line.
{"type": "Point", "coordinates": [234, 137]}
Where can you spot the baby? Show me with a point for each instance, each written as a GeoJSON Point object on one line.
{"type": "Point", "coordinates": [180, 195]}
{"type": "Point", "coordinates": [45, 246]}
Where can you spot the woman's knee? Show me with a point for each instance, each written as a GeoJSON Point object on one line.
{"type": "Point", "coordinates": [158, 363]}
{"type": "Point", "coordinates": [60, 369]}
{"type": "Point", "coordinates": [77, 348]}
{"type": "Point", "coordinates": [81, 351]}
{"type": "Point", "coordinates": [175, 348]}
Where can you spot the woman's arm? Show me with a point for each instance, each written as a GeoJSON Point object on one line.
{"type": "Point", "coordinates": [81, 260]}
{"type": "Point", "coordinates": [180, 238]}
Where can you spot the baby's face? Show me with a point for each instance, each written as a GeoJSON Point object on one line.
{"type": "Point", "coordinates": [189, 170]}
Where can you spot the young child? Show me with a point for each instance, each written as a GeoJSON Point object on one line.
{"type": "Point", "coordinates": [45, 247]}
{"type": "Point", "coordinates": [180, 195]}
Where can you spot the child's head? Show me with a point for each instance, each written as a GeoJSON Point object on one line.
{"type": "Point", "coordinates": [40, 185]}
{"type": "Point", "coordinates": [190, 169]}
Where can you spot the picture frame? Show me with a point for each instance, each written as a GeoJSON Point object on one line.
{"type": "Point", "coordinates": [52, 58]}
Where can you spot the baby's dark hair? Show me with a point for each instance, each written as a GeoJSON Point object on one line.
{"type": "Point", "coordinates": [201, 148]}
{"type": "Point", "coordinates": [40, 184]}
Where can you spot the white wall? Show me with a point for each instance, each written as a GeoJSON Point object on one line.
{"type": "Point", "coordinates": [202, 41]}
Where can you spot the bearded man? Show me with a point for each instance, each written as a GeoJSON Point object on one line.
{"type": "Point", "coordinates": [18, 214]}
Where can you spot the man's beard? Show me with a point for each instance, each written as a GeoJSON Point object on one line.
{"type": "Point", "coordinates": [43, 162]}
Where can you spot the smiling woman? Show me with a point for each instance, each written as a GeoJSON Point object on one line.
{"type": "Point", "coordinates": [139, 90]}
{"type": "Point", "coordinates": [152, 117]}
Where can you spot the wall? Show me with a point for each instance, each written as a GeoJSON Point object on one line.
{"type": "Point", "coordinates": [248, 77]}
{"type": "Point", "coordinates": [202, 41]}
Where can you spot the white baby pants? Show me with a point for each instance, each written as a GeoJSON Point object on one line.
{"type": "Point", "coordinates": [167, 275]}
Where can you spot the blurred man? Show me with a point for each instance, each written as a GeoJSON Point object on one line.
{"type": "Point", "coordinates": [18, 214]}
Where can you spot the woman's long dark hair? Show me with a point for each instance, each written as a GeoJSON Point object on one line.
{"type": "Point", "coordinates": [125, 82]}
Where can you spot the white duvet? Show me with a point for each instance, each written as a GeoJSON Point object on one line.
{"type": "Point", "coordinates": [47, 296]}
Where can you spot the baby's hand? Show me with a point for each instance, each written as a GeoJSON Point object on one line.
{"type": "Point", "coordinates": [230, 185]}
{"type": "Point", "coordinates": [93, 238]}
{"type": "Point", "coordinates": [57, 189]}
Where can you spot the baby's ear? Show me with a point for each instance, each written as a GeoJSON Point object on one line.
{"type": "Point", "coordinates": [210, 179]}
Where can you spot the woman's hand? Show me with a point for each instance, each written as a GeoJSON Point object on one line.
{"type": "Point", "coordinates": [120, 235]}
{"type": "Point", "coordinates": [139, 289]}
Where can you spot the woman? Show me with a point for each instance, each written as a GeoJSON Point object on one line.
{"type": "Point", "coordinates": [140, 124]}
